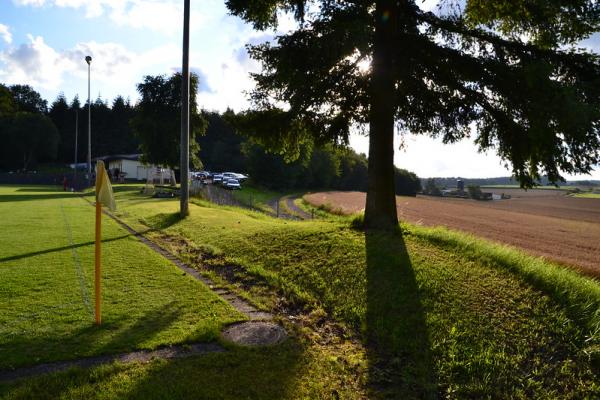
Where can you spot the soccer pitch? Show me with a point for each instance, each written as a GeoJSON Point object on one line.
{"type": "Point", "coordinates": [47, 288]}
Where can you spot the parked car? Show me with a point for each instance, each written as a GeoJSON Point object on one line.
{"type": "Point", "coordinates": [232, 184]}
{"type": "Point", "coordinates": [217, 178]}
{"type": "Point", "coordinates": [235, 175]}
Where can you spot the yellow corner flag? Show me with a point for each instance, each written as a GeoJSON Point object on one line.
{"type": "Point", "coordinates": [104, 192]}
{"type": "Point", "coordinates": [104, 196]}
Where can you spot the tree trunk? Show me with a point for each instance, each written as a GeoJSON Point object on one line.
{"type": "Point", "coordinates": [380, 211]}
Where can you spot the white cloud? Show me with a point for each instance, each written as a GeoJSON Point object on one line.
{"type": "Point", "coordinates": [35, 3]}
{"type": "Point", "coordinates": [429, 157]}
{"type": "Point", "coordinates": [113, 66]}
{"type": "Point", "coordinates": [5, 33]}
{"type": "Point", "coordinates": [33, 63]}
{"type": "Point", "coordinates": [164, 16]}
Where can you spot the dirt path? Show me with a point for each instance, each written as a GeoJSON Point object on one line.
{"type": "Point", "coordinates": [289, 200]}
{"type": "Point", "coordinates": [547, 225]}
{"type": "Point", "coordinates": [278, 211]}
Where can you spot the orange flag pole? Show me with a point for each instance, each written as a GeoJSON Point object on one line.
{"type": "Point", "coordinates": [98, 263]}
{"type": "Point", "coordinates": [99, 177]}
{"type": "Point", "coordinates": [104, 195]}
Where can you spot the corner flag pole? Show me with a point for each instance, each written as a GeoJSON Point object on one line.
{"type": "Point", "coordinates": [104, 195]}
{"type": "Point", "coordinates": [98, 263]}
{"type": "Point", "coordinates": [98, 260]}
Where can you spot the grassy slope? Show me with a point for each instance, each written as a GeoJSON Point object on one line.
{"type": "Point", "coordinates": [548, 187]}
{"type": "Point", "coordinates": [587, 195]}
{"type": "Point", "coordinates": [434, 321]}
{"type": "Point", "coordinates": [46, 295]}
{"type": "Point", "coordinates": [257, 198]}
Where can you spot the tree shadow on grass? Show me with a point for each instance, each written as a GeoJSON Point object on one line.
{"type": "Point", "coordinates": [163, 221]}
{"type": "Point", "coordinates": [118, 333]}
{"type": "Point", "coordinates": [239, 373]}
{"type": "Point", "coordinates": [400, 364]}
{"type": "Point", "coordinates": [62, 248]}
{"type": "Point", "coordinates": [11, 198]}
{"type": "Point", "coordinates": [249, 373]}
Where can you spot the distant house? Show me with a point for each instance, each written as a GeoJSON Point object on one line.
{"type": "Point", "coordinates": [129, 165]}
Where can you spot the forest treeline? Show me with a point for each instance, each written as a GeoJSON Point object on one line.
{"type": "Point", "coordinates": [34, 133]}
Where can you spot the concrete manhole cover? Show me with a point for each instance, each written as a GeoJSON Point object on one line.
{"type": "Point", "coordinates": [255, 333]}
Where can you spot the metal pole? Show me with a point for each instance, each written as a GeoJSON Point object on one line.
{"type": "Point", "coordinates": [76, 134]}
{"type": "Point", "coordinates": [185, 112]}
{"type": "Point", "coordinates": [88, 59]}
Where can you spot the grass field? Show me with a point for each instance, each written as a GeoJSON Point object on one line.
{"type": "Point", "coordinates": [257, 198]}
{"type": "Point", "coordinates": [587, 195]}
{"type": "Point", "coordinates": [46, 286]}
{"type": "Point", "coordinates": [546, 187]}
{"type": "Point", "coordinates": [426, 314]}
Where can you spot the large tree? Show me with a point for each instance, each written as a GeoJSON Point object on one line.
{"type": "Point", "coordinates": [28, 100]}
{"type": "Point", "coordinates": [64, 120]}
{"type": "Point", "coordinates": [157, 120]}
{"type": "Point", "coordinates": [507, 72]}
{"type": "Point", "coordinates": [32, 138]}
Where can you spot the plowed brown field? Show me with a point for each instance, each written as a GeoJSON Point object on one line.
{"type": "Point", "coordinates": [543, 222]}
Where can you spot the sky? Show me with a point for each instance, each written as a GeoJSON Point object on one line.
{"type": "Point", "coordinates": [43, 43]}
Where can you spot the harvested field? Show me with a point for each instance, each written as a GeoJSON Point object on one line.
{"type": "Point", "coordinates": [543, 222]}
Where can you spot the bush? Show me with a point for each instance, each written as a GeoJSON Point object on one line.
{"type": "Point", "coordinates": [474, 192]}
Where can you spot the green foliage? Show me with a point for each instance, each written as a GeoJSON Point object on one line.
{"type": "Point", "coordinates": [31, 138]}
{"type": "Point", "coordinates": [26, 133]}
{"type": "Point", "coordinates": [157, 121]}
{"type": "Point", "coordinates": [276, 130]}
{"type": "Point", "coordinates": [220, 147]}
{"type": "Point", "coordinates": [474, 192]}
{"type": "Point", "coordinates": [431, 188]}
{"type": "Point", "coordinates": [358, 221]}
{"type": "Point", "coordinates": [406, 183]}
{"type": "Point", "coordinates": [7, 105]}
{"type": "Point", "coordinates": [548, 22]}
{"type": "Point", "coordinates": [28, 100]}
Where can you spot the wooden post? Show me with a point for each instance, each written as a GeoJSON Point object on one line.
{"type": "Point", "coordinates": [98, 269]}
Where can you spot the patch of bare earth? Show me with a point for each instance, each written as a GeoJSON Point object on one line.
{"type": "Point", "coordinates": [542, 222]}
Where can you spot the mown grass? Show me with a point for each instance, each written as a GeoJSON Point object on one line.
{"type": "Point", "coordinates": [439, 314]}
{"type": "Point", "coordinates": [544, 187]}
{"type": "Point", "coordinates": [587, 195]}
{"type": "Point", "coordinates": [257, 198]}
{"type": "Point", "coordinates": [486, 311]}
{"type": "Point", "coordinates": [46, 286]}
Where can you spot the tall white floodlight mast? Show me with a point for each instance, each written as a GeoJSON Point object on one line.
{"type": "Point", "coordinates": [88, 60]}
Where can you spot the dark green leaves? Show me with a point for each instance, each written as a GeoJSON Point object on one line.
{"type": "Point", "coordinates": [546, 22]}
{"type": "Point", "coordinates": [499, 71]}
{"type": "Point", "coordinates": [157, 122]}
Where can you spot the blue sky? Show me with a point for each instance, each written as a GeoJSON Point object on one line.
{"type": "Point", "coordinates": [43, 43]}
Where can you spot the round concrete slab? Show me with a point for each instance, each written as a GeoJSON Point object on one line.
{"type": "Point", "coordinates": [255, 333]}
